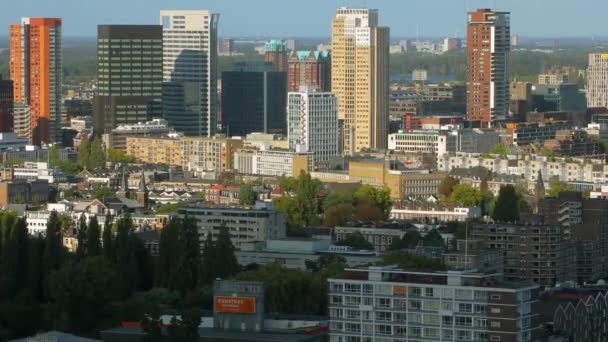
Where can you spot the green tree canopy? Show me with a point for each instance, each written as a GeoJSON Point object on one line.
{"type": "Point", "coordinates": [119, 156]}
{"type": "Point", "coordinates": [93, 238]}
{"type": "Point", "coordinates": [556, 186]}
{"type": "Point", "coordinates": [380, 198]}
{"type": "Point", "coordinates": [500, 148]}
{"type": "Point", "coordinates": [447, 186]}
{"type": "Point", "coordinates": [357, 241]}
{"type": "Point", "coordinates": [506, 208]}
{"type": "Point", "coordinates": [246, 194]}
{"type": "Point", "coordinates": [466, 196]}
{"type": "Point", "coordinates": [412, 262]}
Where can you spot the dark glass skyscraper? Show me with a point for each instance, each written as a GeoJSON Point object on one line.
{"type": "Point", "coordinates": [6, 105]}
{"type": "Point", "coordinates": [129, 75]}
{"type": "Point", "coordinates": [254, 99]}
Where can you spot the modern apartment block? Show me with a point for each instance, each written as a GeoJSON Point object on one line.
{"type": "Point", "coordinates": [129, 75]}
{"type": "Point", "coordinates": [597, 73]}
{"type": "Point", "coordinates": [254, 99]}
{"type": "Point", "coordinates": [244, 224]}
{"type": "Point", "coordinates": [312, 124]}
{"type": "Point", "coordinates": [309, 68]}
{"type": "Point", "coordinates": [190, 70]}
{"type": "Point", "coordinates": [390, 305]}
{"type": "Point", "coordinates": [275, 53]}
{"type": "Point", "coordinates": [359, 77]}
{"type": "Point", "coordinates": [538, 253]}
{"type": "Point", "coordinates": [488, 54]}
{"type": "Point", "coordinates": [6, 105]}
{"type": "Point", "coordinates": [36, 71]}
{"type": "Point", "coordinates": [117, 138]}
{"type": "Point", "coordinates": [22, 121]}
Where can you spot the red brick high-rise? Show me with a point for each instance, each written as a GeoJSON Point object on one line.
{"type": "Point", "coordinates": [309, 68]}
{"type": "Point", "coordinates": [276, 54]}
{"type": "Point", "coordinates": [488, 54]}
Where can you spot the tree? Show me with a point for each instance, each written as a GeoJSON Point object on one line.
{"type": "Point", "coordinates": [53, 247]}
{"type": "Point", "coordinates": [246, 195]}
{"type": "Point", "coordinates": [356, 241]}
{"type": "Point", "coordinates": [407, 261]}
{"type": "Point", "coordinates": [466, 196]}
{"type": "Point", "coordinates": [368, 212]}
{"type": "Point", "coordinates": [35, 267]}
{"type": "Point", "coordinates": [409, 240]}
{"type": "Point", "coordinates": [433, 239]}
{"type": "Point", "coordinates": [81, 235]}
{"type": "Point", "coordinates": [447, 186]}
{"type": "Point", "coordinates": [556, 186]}
{"type": "Point", "coordinates": [506, 208]}
{"type": "Point", "coordinates": [82, 290]}
{"type": "Point", "coordinates": [338, 215]}
{"type": "Point", "coordinates": [97, 156]}
{"type": "Point", "coordinates": [125, 263]}
{"type": "Point", "coordinates": [101, 192]}
{"type": "Point", "coordinates": [169, 251]}
{"type": "Point", "coordinates": [186, 327]}
{"type": "Point", "coordinates": [547, 152]}
{"type": "Point", "coordinates": [338, 198]}
{"type": "Point", "coordinates": [302, 210]}
{"type": "Point", "coordinates": [107, 239]}
{"type": "Point", "coordinates": [208, 260]}
{"type": "Point", "coordinates": [119, 156]}
{"type": "Point", "coordinates": [190, 261]}
{"type": "Point", "coordinates": [379, 198]}
{"type": "Point", "coordinates": [15, 264]}
{"type": "Point", "coordinates": [225, 258]}
{"type": "Point", "coordinates": [84, 150]}
{"type": "Point", "coordinates": [169, 208]}
{"type": "Point", "coordinates": [226, 178]}
{"type": "Point", "coordinates": [93, 238]}
{"type": "Point", "coordinates": [500, 148]}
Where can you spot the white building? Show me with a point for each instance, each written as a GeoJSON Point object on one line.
{"type": "Point", "coordinates": [272, 162]}
{"type": "Point", "coordinates": [117, 138]}
{"type": "Point", "coordinates": [22, 120]}
{"type": "Point", "coordinates": [422, 141]}
{"type": "Point", "coordinates": [190, 70]}
{"type": "Point", "coordinates": [33, 171]}
{"type": "Point", "coordinates": [597, 80]}
{"type": "Point", "coordinates": [312, 123]}
{"type": "Point", "coordinates": [420, 75]}
{"type": "Point", "coordinates": [447, 215]}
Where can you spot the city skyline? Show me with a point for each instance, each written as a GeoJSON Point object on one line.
{"type": "Point", "coordinates": [239, 19]}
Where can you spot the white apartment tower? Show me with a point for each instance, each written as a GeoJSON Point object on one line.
{"type": "Point", "coordinates": [312, 123]}
{"type": "Point", "coordinates": [597, 80]}
{"type": "Point", "coordinates": [190, 70]}
{"type": "Point", "coordinates": [359, 77]}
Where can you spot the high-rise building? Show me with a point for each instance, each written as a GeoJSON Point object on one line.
{"type": "Point", "coordinates": [359, 77]}
{"type": "Point", "coordinates": [488, 54]}
{"type": "Point", "coordinates": [6, 105]}
{"type": "Point", "coordinates": [36, 72]}
{"type": "Point", "coordinates": [309, 68]}
{"type": "Point", "coordinates": [226, 47]}
{"type": "Point", "coordinates": [450, 44]}
{"type": "Point", "coordinates": [312, 123]}
{"type": "Point", "coordinates": [275, 53]}
{"type": "Point", "coordinates": [190, 71]}
{"type": "Point", "coordinates": [129, 75]}
{"type": "Point", "coordinates": [597, 80]}
{"type": "Point", "coordinates": [22, 121]}
{"type": "Point", "coordinates": [254, 99]}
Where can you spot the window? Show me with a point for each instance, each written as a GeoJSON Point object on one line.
{"type": "Point", "coordinates": [464, 321]}
{"type": "Point", "coordinates": [414, 305]}
{"type": "Point", "coordinates": [446, 320]}
{"type": "Point", "coordinates": [495, 310]}
{"type": "Point", "coordinates": [384, 329]}
{"type": "Point", "coordinates": [428, 292]}
{"type": "Point", "coordinates": [466, 308]}
{"type": "Point", "coordinates": [383, 302]}
{"type": "Point", "coordinates": [495, 324]}
{"type": "Point", "coordinates": [495, 297]}
{"type": "Point", "coordinates": [494, 338]}
{"type": "Point", "coordinates": [383, 316]}
{"type": "Point", "coordinates": [415, 292]}
{"type": "Point", "coordinates": [446, 306]}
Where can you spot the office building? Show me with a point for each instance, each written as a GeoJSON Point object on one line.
{"type": "Point", "coordinates": [432, 214]}
{"type": "Point", "coordinates": [488, 54]}
{"type": "Point", "coordinates": [36, 71]}
{"type": "Point", "coordinates": [6, 105]}
{"type": "Point", "coordinates": [423, 141]}
{"type": "Point", "coordinates": [275, 53]}
{"type": "Point", "coordinates": [190, 71]}
{"type": "Point", "coordinates": [559, 75]}
{"type": "Point", "coordinates": [117, 138]}
{"type": "Point", "coordinates": [23, 192]}
{"type": "Point", "coordinates": [312, 124]}
{"type": "Point", "coordinates": [254, 99]}
{"type": "Point", "coordinates": [359, 78]}
{"type": "Point", "coordinates": [384, 303]}
{"type": "Point", "coordinates": [129, 75]}
{"type": "Point", "coordinates": [22, 121]}
{"type": "Point", "coordinates": [450, 44]}
{"type": "Point", "coordinates": [244, 224]}
{"type": "Point", "coordinates": [309, 68]}
{"type": "Point", "coordinates": [226, 47]}
{"type": "Point", "coordinates": [272, 162]}
{"type": "Point", "coordinates": [558, 98]}
{"type": "Point", "coordinates": [597, 75]}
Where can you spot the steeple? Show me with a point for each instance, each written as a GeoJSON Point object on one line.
{"type": "Point", "coordinates": [142, 192]}
{"type": "Point", "coordinates": [124, 182]}
{"type": "Point", "coordinates": [539, 191]}
{"type": "Point", "coordinates": [142, 181]}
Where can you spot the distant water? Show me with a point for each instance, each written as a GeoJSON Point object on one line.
{"type": "Point", "coordinates": [431, 79]}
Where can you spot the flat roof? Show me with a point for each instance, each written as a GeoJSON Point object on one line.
{"type": "Point", "coordinates": [228, 335]}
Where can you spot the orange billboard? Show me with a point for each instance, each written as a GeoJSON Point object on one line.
{"type": "Point", "coordinates": [227, 304]}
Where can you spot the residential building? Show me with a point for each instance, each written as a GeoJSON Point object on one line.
{"type": "Point", "coordinates": [389, 304]}
{"type": "Point", "coordinates": [597, 72]}
{"type": "Point", "coordinates": [296, 253]}
{"type": "Point", "coordinates": [275, 53]}
{"type": "Point", "coordinates": [39, 171]}
{"type": "Point", "coordinates": [309, 68]}
{"type": "Point", "coordinates": [129, 75]}
{"type": "Point", "coordinates": [488, 53]}
{"type": "Point", "coordinates": [243, 224]}
{"type": "Point", "coordinates": [82, 124]}
{"type": "Point", "coordinates": [6, 105]}
{"type": "Point", "coordinates": [436, 215]}
{"type": "Point", "coordinates": [189, 86]}
{"type": "Point", "coordinates": [538, 253]}
{"type": "Point", "coordinates": [473, 254]}
{"type": "Point", "coordinates": [559, 75]}
{"type": "Point", "coordinates": [359, 72]}
{"type": "Point", "coordinates": [526, 133]}
{"type": "Point", "coordinates": [36, 71]}
{"type": "Point", "coordinates": [213, 155]}
{"type": "Point", "coordinates": [22, 121]}
{"type": "Point", "coordinates": [583, 319]}
{"type": "Point", "coordinates": [573, 143]}
{"type": "Point", "coordinates": [117, 138]}
{"type": "Point", "coordinates": [156, 150]}
{"type": "Point", "coordinates": [268, 161]}
{"type": "Point", "coordinates": [254, 99]}
{"type": "Point", "coordinates": [312, 124]}
{"type": "Point", "coordinates": [450, 44]}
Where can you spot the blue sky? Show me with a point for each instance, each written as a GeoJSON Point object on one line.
{"type": "Point", "coordinates": [546, 18]}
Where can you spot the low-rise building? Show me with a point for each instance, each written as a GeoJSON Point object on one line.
{"type": "Point", "coordinates": [268, 161]}
{"type": "Point", "coordinates": [23, 192]}
{"type": "Point", "coordinates": [389, 304]}
{"type": "Point", "coordinates": [436, 215]}
{"type": "Point", "coordinates": [117, 138]}
{"type": "Point", "coordinates": [381, 238]}
{"type": "Point", "coordinates": [244, 224]}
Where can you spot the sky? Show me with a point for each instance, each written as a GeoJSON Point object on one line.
{"type": "Point", "coordinates": [312, 18]}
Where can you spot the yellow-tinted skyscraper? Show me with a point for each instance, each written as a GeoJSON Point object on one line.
{"type": "Point", "coordinates": [359, 77]}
